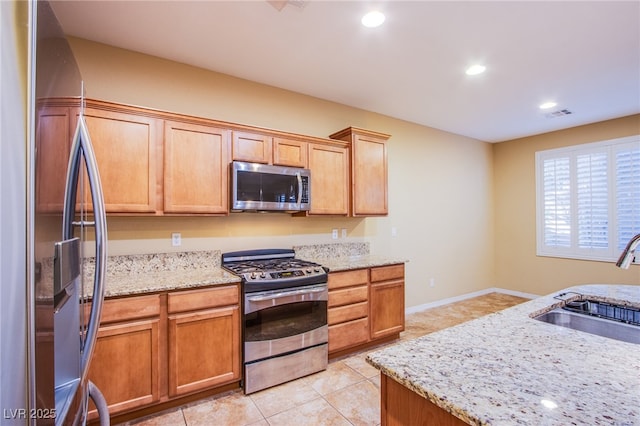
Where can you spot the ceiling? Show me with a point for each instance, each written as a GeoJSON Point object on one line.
{"type": "Point", "coordinates": [583, 55]}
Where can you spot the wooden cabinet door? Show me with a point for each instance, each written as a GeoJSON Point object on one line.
{"type": "Point", "coordinates": [128, 149]}
{"type": "Point", "coordinates": [329, 167]}
{"type": "Point", "coordinates": [195, 168]}
{"type": "Point", "coordinates": [204, 349]}
{"type": "Point", "coordinates": [53, 143]}
{"type": "Point", "coordinates": [287, 152]}
{"type": "Point", "coordinates": [125, 365]}
{"type": "Point", "coordinates": [251, 147]}
{"type": "Point", "coordinates": [369, 163]}
{"type": "Point", "coordinates": [386, 301]}
{"type": "Point", "coordinates": [126, 361]}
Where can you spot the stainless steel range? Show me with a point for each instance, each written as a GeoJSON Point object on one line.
{"type": "Point", "coordinates": [285, 330]}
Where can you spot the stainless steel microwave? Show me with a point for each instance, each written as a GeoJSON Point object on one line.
{"type": "Point", "coordinates": [261, 187]}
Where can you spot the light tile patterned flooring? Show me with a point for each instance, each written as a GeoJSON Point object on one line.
{"type": "Point", "coordinates": [347, 393]}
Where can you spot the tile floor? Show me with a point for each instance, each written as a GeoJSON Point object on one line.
{"type": "Point", "coordinates": [347, 393]}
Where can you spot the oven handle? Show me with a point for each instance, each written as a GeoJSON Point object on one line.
{"type": "Point", "coordinates": [285, 294]}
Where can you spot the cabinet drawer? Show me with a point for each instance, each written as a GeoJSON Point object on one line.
{"type": "Point", "coordinates": [348, 312]}
{"type": "Point", "coordinates": [348, 295]}
{"type": "Point", "coordinates": [384, 273]}
{"type": "Point", "coordinates": [348, 278]}
{"type": "Point", "coordinates": [202, 299]}
{"type": "Point", "coordinates": [348, 334]}
{"type": "Point", "coordinates": [130, 308]}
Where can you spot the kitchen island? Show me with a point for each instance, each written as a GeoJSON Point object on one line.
{"type": "Point", "coordinates": [508, 368]}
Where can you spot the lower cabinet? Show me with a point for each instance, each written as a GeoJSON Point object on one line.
{"type": "Point", "coordinates": [365, 305]}
{"type": "Point", "coordinates": [386, 300]}
{"type": "Point", "coordinates": [204, 345]}
{"type": "Point", "coordinates": [126, 360]}
{"type": "Point", "coordinates": [155, 348]}
{"type": "Point", "coordinates": [348, 309]}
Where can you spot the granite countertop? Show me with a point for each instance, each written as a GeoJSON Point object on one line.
{"type": "Point", "coordinates": [346, 263]}
{"type": "Point", "coordinates": [150, 282]}
{"type": "Point", "coordinates": [125, 284]}
{"type": "Point", "coordinates": [148, 273]}
{"type": "Point", "coordinates": [497, 369]}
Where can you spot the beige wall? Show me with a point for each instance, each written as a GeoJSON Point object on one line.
{"type": "Point", "coordinates": [517, 266]}
{"type": "Point", "coordinates": [440, 184]}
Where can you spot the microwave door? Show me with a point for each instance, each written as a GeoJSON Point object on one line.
{"type": "Point", "coordinates": [260, 187]}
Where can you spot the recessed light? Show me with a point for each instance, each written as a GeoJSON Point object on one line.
{"type": "Point", "coordinates": [373, 19]}
{"type": "Point", "coordinates": [548, 105]}
{"type": "Point", "coordinates": [475, 69]}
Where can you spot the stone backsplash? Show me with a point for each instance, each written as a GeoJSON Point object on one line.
{"type": "Point", "coordinates": [148, 263]}
{"type": "Point", "coordinates": [161, 262]}
{"type": "Point", "coordinates": [328, 251]}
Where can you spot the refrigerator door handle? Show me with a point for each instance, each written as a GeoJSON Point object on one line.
{"type": "Point", "coordinates": [83, 149]}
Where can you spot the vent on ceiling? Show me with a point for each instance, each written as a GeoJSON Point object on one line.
{"type": "Point", "coordinates": [280, 4]}
{"type": "Point", "coordinates": [558, 113]}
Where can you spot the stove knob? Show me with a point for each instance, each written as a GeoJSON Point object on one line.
{"type": "Point", "coordinates": [253, 275]}
{"type": "Point", "coordinates": [308, 271]}
{"type": "Point", "coordinates": [263, 275]}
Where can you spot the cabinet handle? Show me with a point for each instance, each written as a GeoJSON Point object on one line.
{"type": "Point", "coordinates": [299, 188]}
{"type": "Point", "coordinates": [282, 294]}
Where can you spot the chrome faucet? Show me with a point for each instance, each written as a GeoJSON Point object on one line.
{"type": "Point", "coordinates": [628, 255]}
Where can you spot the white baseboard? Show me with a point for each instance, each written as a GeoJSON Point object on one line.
{"type": "Point", "coordinates": [420, 308]}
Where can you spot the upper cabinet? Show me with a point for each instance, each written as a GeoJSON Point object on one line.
{"type": "Point", "coordinates": [329, 165]}
{"type": "Point", "coordinates": [368, 171]}
{"type": "Point", "coordinates": [328, 161]}
{"type": "Point", "coordinates": [53, 143]}
{"type": "Point", "coordinates": [265, 149]}
{"type": "Point", "coordinates": [128, 153]}
{"type": "Point", "coordinates": [289, 152]}
{"type": "Point", "coordinates": [251, 147]}
{"type": "Point", "coordinates": [160, 163]}
{"type": "Point", "coordinates": [195, 168]}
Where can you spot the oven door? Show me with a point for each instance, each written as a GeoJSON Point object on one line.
{"type": "Point", "coordinates": [286, 320]}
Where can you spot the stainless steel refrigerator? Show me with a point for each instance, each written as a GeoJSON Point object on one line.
{"type": "Point", "coordinates": [53, 227]}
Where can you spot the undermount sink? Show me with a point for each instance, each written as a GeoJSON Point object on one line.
{"type": "Point", "coordinates": [610, 328]}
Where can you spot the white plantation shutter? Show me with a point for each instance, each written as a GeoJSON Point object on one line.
{"type": "Point", "coordinates": [588, 199]}
{"type": "Point", "coordinates": [557, 202]}
{"type": "Point", "coordinates": [627, 180]}
{"type": "Point", "coordinates": [592, 188]}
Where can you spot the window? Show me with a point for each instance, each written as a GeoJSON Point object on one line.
{"type": "Point", "coordinates": [588, 199]}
